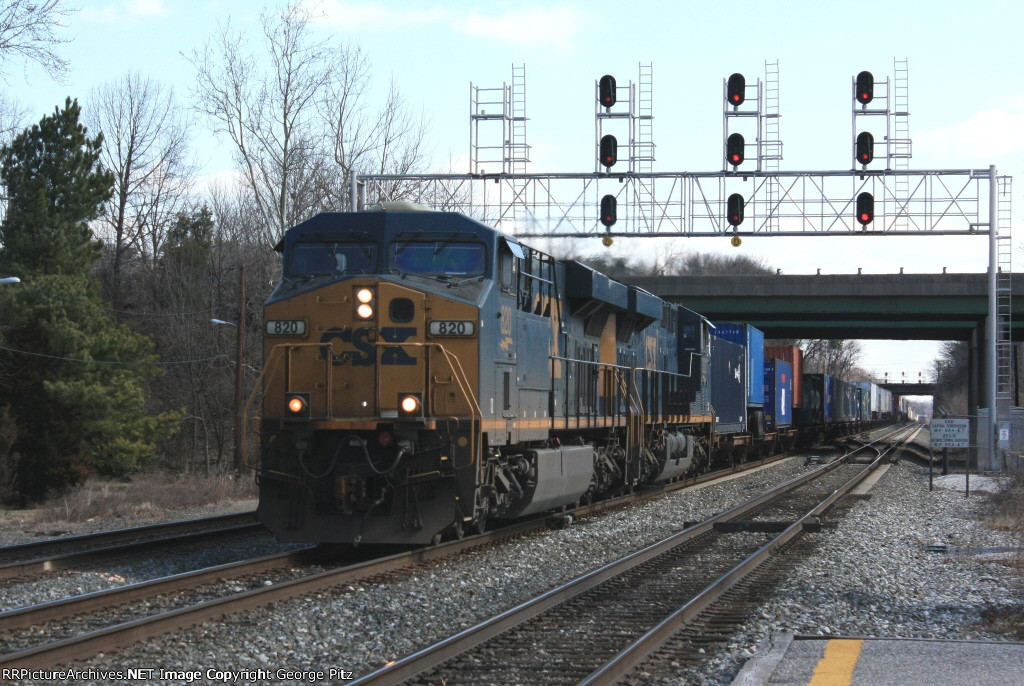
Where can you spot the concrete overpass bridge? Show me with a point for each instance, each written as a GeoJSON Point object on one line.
{"type": "Point", "coordinates": [938, 307]}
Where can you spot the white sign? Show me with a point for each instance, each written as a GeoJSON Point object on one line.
{"type": "Point", "coordinates": [951, 433]}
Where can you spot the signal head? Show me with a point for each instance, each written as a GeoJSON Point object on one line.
{"type": "Point", "coordinates": [865, 148]}
{"type": "Point", "coordinates": [865, 208]}
{"type": "Point", "coordinates": [606, 91]}
{"type": "Point", "coordinates": [609, 213]}
{"type": "Point", "coordinates": [734, 152]}
{"type": "Point", "coordinates": [734, 209]}
{"type": "Point", "coordinates": [736, 90]}
{"type": "Point", "coordinates": [865, 86]}
{"type": "Point", "coordinates": [609, 153]}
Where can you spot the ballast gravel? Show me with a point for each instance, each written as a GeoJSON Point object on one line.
{"type": "Point", "coordinates": [872, 575]}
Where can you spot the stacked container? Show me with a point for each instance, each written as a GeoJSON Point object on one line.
{"type": "Point", "coordinates": [728, 386]}
{"type": "Point", "coordinates": [778, 394]}
{"type": "Point", "coordinates": [753, 341]}
{"type": "Point", "coordinates": [795, 357]}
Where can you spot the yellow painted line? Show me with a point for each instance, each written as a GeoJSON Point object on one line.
{"type": "Point", "coordinates": [836, 666]}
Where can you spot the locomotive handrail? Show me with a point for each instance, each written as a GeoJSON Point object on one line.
{"type": "Point", "coordinates": [463, 382]}
{"type": "Point", "coordinates": [269, 368]}
{"type": "Point", "coordinates": [528, 275]}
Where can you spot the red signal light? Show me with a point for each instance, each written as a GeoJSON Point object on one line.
{"type": "Point", "coordinates": [734, 209]}
{"type": "Point", "coordinates": [609, 153]}
{"type": "Point", "coordinates": [736, 90]}
{"type": "Point", "coordinates": [865, 208]}
{"type": "Point", "coordinates": [865, 87]}
{"type": "Point", "coordinates": [609, 210]}
{"type": "Point", "coordinates": [734, 149]}
{"type": "Point", "coordinates": [865, 147]}
{"type": "Point", "coordinates": [606, 90]}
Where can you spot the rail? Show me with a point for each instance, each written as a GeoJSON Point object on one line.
{"type": "Point", "coordinates": [443, 651]}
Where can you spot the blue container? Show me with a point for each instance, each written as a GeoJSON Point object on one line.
{"type": "Point", "coordinates": [778, 395]}
{"type": "Point", "coordinates": [818, 403]}
{"type": "Point", "coordinates": [728, 391]}
{"type": "Point", "coordinates": [845, 400]}
{"type": "Point", "coordinates": [753, 341]}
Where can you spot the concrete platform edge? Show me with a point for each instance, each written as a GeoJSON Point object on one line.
{"type": "Point", "coordinates": [763, 663]}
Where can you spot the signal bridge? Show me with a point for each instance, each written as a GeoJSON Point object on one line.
{"type": "Point", "coordinates": [704, 204]}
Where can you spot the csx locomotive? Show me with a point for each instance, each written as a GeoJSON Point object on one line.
{"type": "Point", "coordinates": [425, 374]}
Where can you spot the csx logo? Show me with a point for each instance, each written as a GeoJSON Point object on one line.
{"type": "Point", "coordinates": [363, 355]}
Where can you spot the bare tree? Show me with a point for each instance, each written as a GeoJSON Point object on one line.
{"type": "Point", "coordinates": [12, 120]}
{"type": "Point", "coordinates": [146, 145]}
{"type": "Point", "coordinates": [303, 124]}
{"type": "Point", "coordinates": [951, 377]}
{"type": "Point", "coordinates": [835, 357]}
{"type": "Point", "coordinates": [28, 30]}
{"type": "Point", "coordinates": [271, 116]}
{"type": "Point", "coordinates": [389, 140]}
{"type": "Point", "coordinates": [13, 116]}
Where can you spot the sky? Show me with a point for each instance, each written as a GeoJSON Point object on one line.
{"type": "Point", "coordinates": [966, 92]}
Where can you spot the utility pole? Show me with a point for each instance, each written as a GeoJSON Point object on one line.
{"type": "Point", "coordinates": [239, 358]}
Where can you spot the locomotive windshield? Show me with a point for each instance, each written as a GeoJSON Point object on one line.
{"type": "Point", "coordinates": [315, 259]}
{"type": "Point", "coordinates": [438, 258]}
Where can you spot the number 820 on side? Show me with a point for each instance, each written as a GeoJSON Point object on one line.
{"type": "Point", "coordinates": [286, 327]}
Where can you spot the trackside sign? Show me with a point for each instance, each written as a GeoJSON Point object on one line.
{"type": "Point", "coordinates": [951, 433]}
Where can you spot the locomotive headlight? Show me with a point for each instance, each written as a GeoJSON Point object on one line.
{"type": "Point", "coordinates": [365, 298]}
{"type": "Point", "coordinates": [410, 405]}
{"type": "Point", "coordinates": [297, 405]}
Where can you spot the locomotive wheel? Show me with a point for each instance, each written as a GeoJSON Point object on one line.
{"type": "Point", "coordinates": [480, 524]}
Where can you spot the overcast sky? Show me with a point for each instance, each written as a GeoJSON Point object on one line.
{"type": "Point", "coordinates": [966, 91]}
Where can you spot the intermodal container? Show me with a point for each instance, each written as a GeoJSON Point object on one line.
{"type": "Point", "coordinates": [845, 396]}
{"type": "Point", "coordinates": [818, 402]}
{"type": "Point", "coordinates": [728, 386]}
{"type": "Point", "coordinates": [778, 394]}
{"type": "Point", "coordinates": [752, 341]}
{"type": "Point", "coordinates": [795, 357]}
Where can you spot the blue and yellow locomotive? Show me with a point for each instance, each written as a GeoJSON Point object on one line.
{"type": "Point", "coordinates": [425, 374]}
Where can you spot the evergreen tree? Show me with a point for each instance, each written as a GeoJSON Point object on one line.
{"type": "Point", "coordinates": [72, 380]}
{"type": "Point", "coordinates": [55, 188]}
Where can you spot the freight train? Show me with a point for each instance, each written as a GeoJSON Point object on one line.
{"type": "Point", "coordinates": [425, 374]}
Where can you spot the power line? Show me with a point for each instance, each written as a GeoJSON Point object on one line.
{"type": "Point", "coordinates": [112, 362]}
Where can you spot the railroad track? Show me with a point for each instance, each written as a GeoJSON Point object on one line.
{"type": "Point", "coordinates": [62, 553]}
{"type": "Point", "coordinates": [82, 626]}
{"type": "Point", "coordinates": [599, 627]}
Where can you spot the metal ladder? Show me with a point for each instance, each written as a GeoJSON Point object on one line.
{"type": "Point", "coordinates": [1004, 250]}
{"type": "Point", "coordinates": [899, 148]}
{"type": "Point", "coordinates": [643, 146]}
{"type": "Point", "coordinates": [644, 152]}
{"type": "Point", "coordinates": [517, 152]}
{"type": "Point", "coordinates": [771, 141]}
